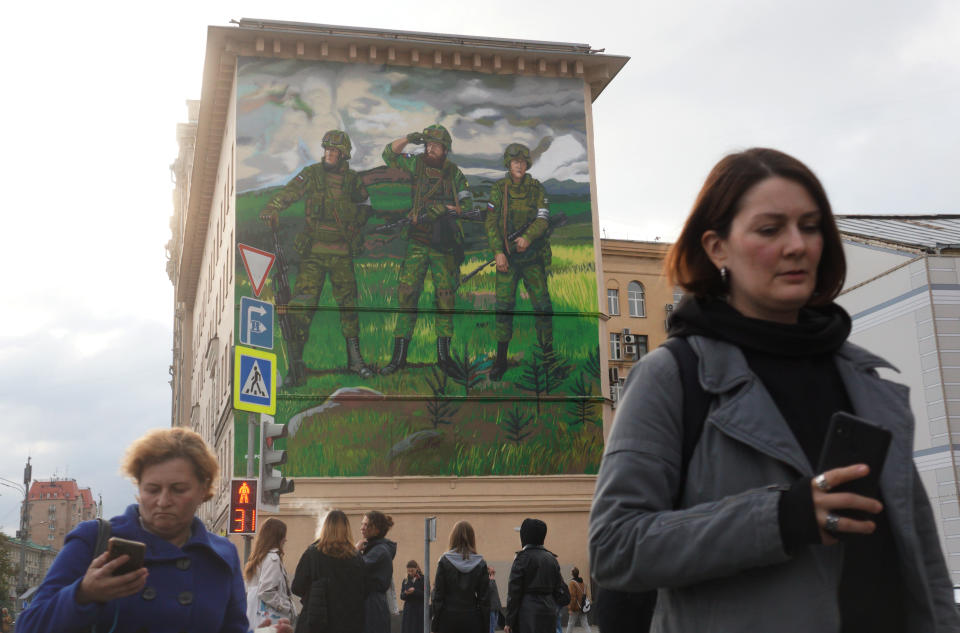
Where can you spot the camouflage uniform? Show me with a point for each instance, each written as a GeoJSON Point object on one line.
{"type": "Point", "coordinates": [434, 244]}
{"type": "Point", "coordinates": [336, 207]}
{"type": "Point", "coordinates": [525, 203]}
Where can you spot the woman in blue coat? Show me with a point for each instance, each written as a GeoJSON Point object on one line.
{"type": "Point", "coordinates": [191, 579]}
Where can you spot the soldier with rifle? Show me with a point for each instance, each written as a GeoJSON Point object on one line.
{"type": "Point", "coordinates": [434, 238]}
{"type": "Point", "coordinates": [519, 202]}
{"type": "Point", "coordinates": [336, 207]}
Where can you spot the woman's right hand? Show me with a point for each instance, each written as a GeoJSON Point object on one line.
{"type": "Point", "coordinates": [100, 585]}
{"type": "Point", "coordinates": [826, 503]}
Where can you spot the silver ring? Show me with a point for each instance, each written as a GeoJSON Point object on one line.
{"type": "Point", "coordinates": [821, 482]}
{"type": "Point", "coordinates": [832, 523]}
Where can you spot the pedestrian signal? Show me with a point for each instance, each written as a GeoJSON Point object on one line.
{"type": "Point", "coordinates": [243, 506]}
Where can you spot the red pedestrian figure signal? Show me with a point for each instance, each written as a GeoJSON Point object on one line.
{"type": "Point", "coordinates": [243, 506]}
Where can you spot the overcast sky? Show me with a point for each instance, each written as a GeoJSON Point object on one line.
{"type": "Point", "coordinates": [867, 92]}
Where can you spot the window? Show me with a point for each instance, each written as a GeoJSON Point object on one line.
{"type": "Point", "coordinates": [641, 345]}
{"type": "Point", "coordinates": [615, 348]}
{"type": "Point", "coordinates": [635, 299]}
{"type": "Point", "coordinates": [613, 301]}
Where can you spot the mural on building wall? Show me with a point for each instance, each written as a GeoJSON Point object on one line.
{"type": "Point", "coordinates": [432, 274]}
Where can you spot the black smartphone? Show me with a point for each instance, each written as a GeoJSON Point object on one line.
{"type": "Point", "coordinates": [852, 440]}
{"type": "Point", "coordinates": [117, 546]}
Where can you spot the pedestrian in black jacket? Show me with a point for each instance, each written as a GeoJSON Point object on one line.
{"type": "Point", "coordinates": [536, 589]}
{"type": "Point", "coordinates": [330, 580]}
{"type": "Point", "coordinates": [460, 593]}
{"type": "Point", "coordinates": [411, 592]}
{"type": "Point", "coordinates": [377, 552]}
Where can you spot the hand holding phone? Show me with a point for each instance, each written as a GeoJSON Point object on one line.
{"type": "Point", "coordinates": [852, 440]}
{"type": "Point", "coordinates": [117, 547]}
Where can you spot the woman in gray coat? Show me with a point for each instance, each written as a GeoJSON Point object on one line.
{"type": "Point", "coordinates": [741, 533]}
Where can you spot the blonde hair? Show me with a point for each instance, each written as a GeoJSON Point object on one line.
{"type": "Point", "coordinates": [270, 536]}
{"type": "Point", "coordinates": [336, 540]}
{"type": "Point", "coordinates": [161, 445]}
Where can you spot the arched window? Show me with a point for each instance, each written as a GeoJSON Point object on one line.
{"type": "Point", "coordinates": [635, 298]}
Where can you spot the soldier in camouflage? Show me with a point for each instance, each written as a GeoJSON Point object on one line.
{"type": "Point", "coordinates": [519, 203]}
{"type": "Point", "coordinates": [434, 238]}
{"type": "Point", "coordinates": [336, 207]}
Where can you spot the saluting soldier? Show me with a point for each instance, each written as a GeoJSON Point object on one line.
{"type": "Point", "coordinates": [434, 238]}
{"type": "Point", "coordinates": [336, 206]}
{"type": "Point", "coordinates": [519, 203]}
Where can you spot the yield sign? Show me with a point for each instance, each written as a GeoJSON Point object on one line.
{"type": "Point", "coordinates": [258, 264]}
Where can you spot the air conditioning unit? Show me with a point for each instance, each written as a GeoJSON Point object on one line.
{"type": "Point", "coordinates": [629, 339]}
{"type": "Point", "coordinates": [630, 350]}
{"type": "Point", "coordinates": [614, 375]}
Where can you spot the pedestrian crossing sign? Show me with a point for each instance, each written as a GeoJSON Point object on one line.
{"type": "Point", "coordinates": [254, 380]}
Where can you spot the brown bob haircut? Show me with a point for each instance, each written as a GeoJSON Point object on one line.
{"type": "Point", "coordinates": [687, 264]}
{"type": "Point", "coordinates": [161, 445]}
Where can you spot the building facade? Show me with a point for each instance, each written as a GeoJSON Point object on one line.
{"type": "Point", "coordinates": [638, 301]}
{"type": "Point", "coordinates": [903, 293]}
{"type": "Point", "coordinates": [55, 507]}
{"type": "Point", "coordinates": [38, 560]}
{"type": "Point", "coordinates": [217, 197]}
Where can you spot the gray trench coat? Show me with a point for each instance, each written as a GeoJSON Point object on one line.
{"type": "Point", "coordinates": [717, 558]}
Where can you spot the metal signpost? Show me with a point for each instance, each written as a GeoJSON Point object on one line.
{"type": "Point", "coordinates": [429, 534]}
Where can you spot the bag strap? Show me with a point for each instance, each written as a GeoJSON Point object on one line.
{"type": "Point", "coordinates": [696, 402]}
{"type": "Point", "coordinates": [103, 535]}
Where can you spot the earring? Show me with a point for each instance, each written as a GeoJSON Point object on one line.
{"type": "Point", "coordinates": [725, 275]}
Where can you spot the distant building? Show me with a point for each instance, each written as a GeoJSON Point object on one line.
{"type": "Point", "coordinates": [638, 301]}
{"type": "Point", "coordinates": [38, 559]}
{"type": "Point", "coordinates": [903, 293]}
{"type": "Point", "coordinates": [56, 506]}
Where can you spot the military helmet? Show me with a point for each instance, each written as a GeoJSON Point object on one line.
{"type": "Point", "coordinates": [516, 150]}
{"type": "Point", "coordinates": [338, 140]}
{"type": "Point", "coordinates": [438, 134]}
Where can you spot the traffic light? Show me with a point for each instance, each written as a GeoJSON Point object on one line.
{"type": "Point", "coordinates": [272, 482]}
{"type": "Point", "coordinates": [243, 506]}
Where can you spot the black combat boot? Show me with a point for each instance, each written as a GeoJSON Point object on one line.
{"type": "Point", "coordinates": [443, 354]}
{"type": "Point", "coordinates": [355, 359]}
{"type": "Point", "coordinates": [296, 370]}
{"type": "Point", "coordinates": [500, 363]}
{"type": "Point", "coordinates": [399, 360]}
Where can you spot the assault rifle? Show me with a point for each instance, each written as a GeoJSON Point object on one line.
{"type": "Point", "coordinates": [478, 214]}
{"type": "Point", "coordinates": [282, 295]}
{"type": "Point", "coordinates": [556, 220]}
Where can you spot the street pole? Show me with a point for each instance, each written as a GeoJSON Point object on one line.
{"type": "Point", "coordinates": [429, 534]}
{"type": "Point", "coordinates": [247, 538]}
{"type": "Point", "coordinates": [24, 530]}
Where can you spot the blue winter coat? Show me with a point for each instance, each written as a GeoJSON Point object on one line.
{"type": "Point", "coordinates": [196, 588]}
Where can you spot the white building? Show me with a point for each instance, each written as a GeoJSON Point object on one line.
{"type": "Point", "coordinates": [903, 292]}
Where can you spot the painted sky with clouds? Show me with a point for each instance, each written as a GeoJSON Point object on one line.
{"type": "Point", "coordinates": [285, 107]}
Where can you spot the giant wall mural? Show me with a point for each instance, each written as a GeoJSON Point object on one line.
{"type": "Point", "coordinates": [432, 274]}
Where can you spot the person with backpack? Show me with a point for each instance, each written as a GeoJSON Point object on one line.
{"type": "Point", "coordinates": [461, 602]}
{"type": "Point", "coordinates": [728, 515]}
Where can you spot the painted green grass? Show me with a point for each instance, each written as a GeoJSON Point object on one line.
{"type": "Point", "coordinates": [357, 441]}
